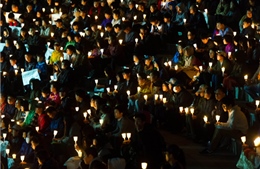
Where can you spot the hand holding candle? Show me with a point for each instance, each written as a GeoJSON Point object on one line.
{"type": "Point", "coordinates": [217, 118]}
{"type": "Point", "coordinates": [144, 165]}
{"type": "Point", "coordinates": [205, 118]}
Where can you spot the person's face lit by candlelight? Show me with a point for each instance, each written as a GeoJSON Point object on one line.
{"type": "Point", "coordinates": [139, 124]}
{"type": "Point", "coordinates": [96, 4]}
{"type": "Point", "coordinates": [249, 14]}
{"type": "Point", "coordinates": [219, 95]}
{"type": "Point", "coordinates": [118, 114]}
{"type": "Point", "coordinates": [165, 87]}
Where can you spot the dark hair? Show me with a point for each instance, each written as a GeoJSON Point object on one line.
{"type": "Point", "coordinates": [222, 89]}
{"type": "Point", "coordinates": [228, 38]}
{"type": "Point", "coordinates": [117, 12]}
{"type": "Point", "coordinates": [177, 153]}
{"type": "Point", "coordinates": [228, 101]}
{"type": "Point", "coordinates": [50, 110]}
{"type": "Point", "coordinates": [80, 93]}
{"type": "Point", "coordinates": [55, 85]}
{"type": "Point", "coordinates": [71, 47]}
{"type": "Point", "coordinates": [143, 76]}
{"type": "Point", "coordinates": [248, 20]}
{"type": "Point", "coordinates": [45, 89]}
{"type": "Point", "coordinates": [140, 116]}
{"type": "Point", "coordinates": [117, 26]}
{"type": "Point", "coordinates": [91, 151]}
{"type": "Point", "coordinates": [10, 16]}
{"type": "Point", "coordinates": [43, 155]}
{"type": "Point", "coordinates": [120, 108]}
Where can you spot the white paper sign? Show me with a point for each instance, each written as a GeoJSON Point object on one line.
{"type": "Point", "coordinates": [28, 75]}
{"type": "Point", "coordinates": [16, 16]}
{"type": "Point", "coordinates": [48, 53]}
{"type": "Point", "coordinates": [54, 17]}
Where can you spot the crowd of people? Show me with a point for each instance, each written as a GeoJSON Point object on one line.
{"type": "Point", "coordinates": [91, 81]}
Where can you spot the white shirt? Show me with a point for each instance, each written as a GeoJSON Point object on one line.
{"type": "Point", "coordinates": [236, 121]}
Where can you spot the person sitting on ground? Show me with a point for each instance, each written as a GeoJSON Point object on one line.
{"type": "Point", "coordinates": [235, 127]}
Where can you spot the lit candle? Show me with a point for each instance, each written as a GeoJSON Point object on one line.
{"type": "Point", "coordinates": [2, 116]}
{"type": "Point", "coordinates": [201, 68]}
{"type": "Point", "coordinates": [15, 42]}
{"type": "Point", "coordinates": [217, 117]}
{"type": "Point", "coordinates": [115, 87]}
{"type": "Point", "coordinates": [61, 59]}
{"type": "Point", "coordinates": [144, 16]}
{"type": "Point", "coordinates": [77, 108]}
{"type": "Point", "coordinates": [108, 89]}
{"type": "Point", "coordinates": [52, 34]}
{"type": "Point", "coordinates": [101, 121]}
{"type": "Point", "coordinates": [4, 135]}
{"type": "Point", "coordinates": [96, 81]}
{"type": "Point", "coordinates": [51, 10]}
{"type": "Point", "coordinates": [34, 20]}
{"type": "Point", "coordinates": [48, 44]}
{"type": "Point", "coordinates": [128, 92]}
{"type": "Point", "coordinates": [181, 109]}
{"type": "Point", "coordinates": [136, 5]}
{"type": "Point", "coordinates": [145, 97]}
{"type": "Point", "coordinates": [7, 151]}
{"type": "Point", "coordinates": [14, 156]}
{"type": "Point", "coordinates": [210, 64]}
{"type": "Point", "coordinates": [16, 72]}
{"type": "Point", "coordinates": [144, 165]}
{"type": "Point", "coordinates": [128, 135]}
{"type": "Point", "coordinates": [166, 64]}
{"type": "Point", "coordinates": [243, 139]}
{"type": "Point", "coordinates": [55, 132]}
{"type": "Point", "coordinates": [96, 17]}
{"type": "Point", "coordinates": [234, 33]}
{"type": "Point", "coordinates": [186, 109]}
{"type": "Point", "coordinates": [22, 25]}
{"type": "Point", "coordinates": [123, 19]}
{"type": "Point", "coordinates": [253, 25]}
{"type": "Point", "coordinates": [195, 45]}
{"type": "Point", "coordinates": [176, 67]}
{"type": "Point", "coordinates": [184, 21]}
{"type": "Point", "coordinates": [246, 77]}
{"type": "Point", "coordinates": [138, 89]}
{"type": "Point", "coordinates": [206, 11]}
{"type": "Point", "coordinates": [22, 70]}
{"type": "Point", "coordinates": [89, 112]}
{"type": "Point", "coordinates": [75, 138]}
{"type": "Point", "coordinates": [257, 143]}
{"type": "Point", "coordinates": [136, 40]}
{"type": "Point", "coordinates": [99, 27]}
{"type": "Point", "coordinates": [135, 17]}
{"type": "Point", "coordinates": [123, 135]}
{"type": "Point", "coordinates": [223, 70]}
{"type": "Point", "coordinates": [257, 103]}
{"type": "Point", "coordinates": [156, 97]}
{"type": "Point", "coordinates": [43, 9]}
{"type": "Point", "coordinates": [120, 41]}
{"type": "Point", "coordinates": [80, 153]}
{"type": "Point", "coordinates": [164, 100]}
{"type": "Point", "coordinates": [229, 54]}
{"type": "Point", "coordinates": [101, 34]}
{"type": "Point", "coordinates": [85, 115]}
{"type": "Point", "coordinates": [161, 96]}
{"type": "Point", "coordinates": [205, 118]}
{"type": "Point", "coordinates": [170, 63]}
{"type": "Point", "coordinates": [246, 36]}
{"type": "Point", "coordinates": [192, 110]}
{"type": "Point", "coordinates": [1, 5]}
{"type": "Point", "coordinates": [22, 157]}
{"type": "Point", "coordinates": [101, 51]}
{"type": "Point", "coordinates": [37, 128]}
{"type": "Point", "coordinates": [50, 22]}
